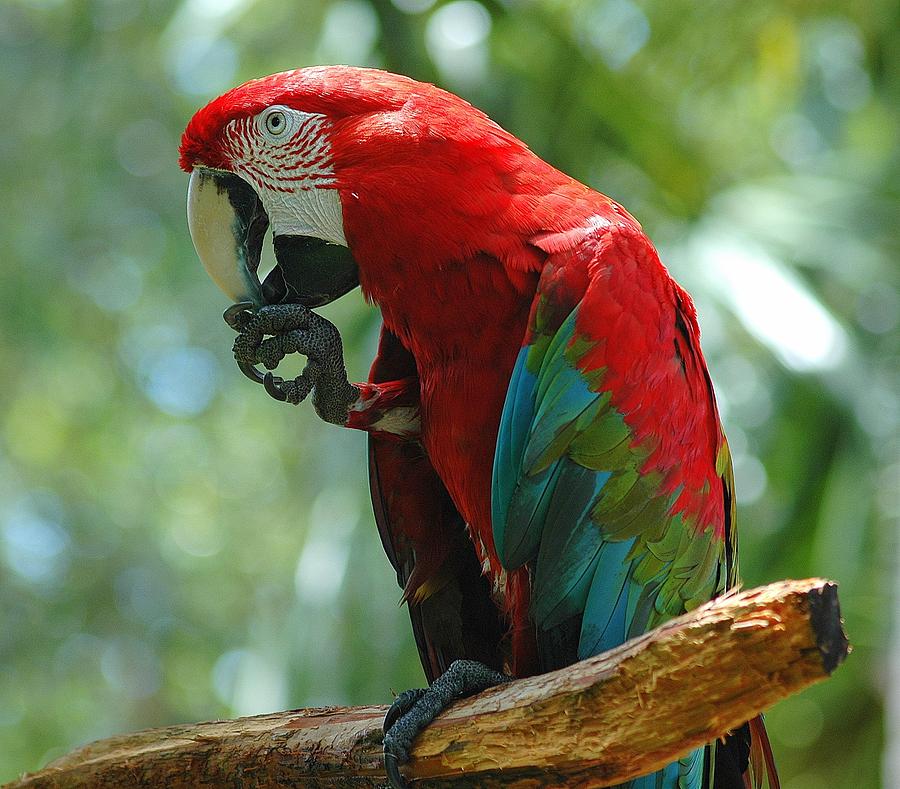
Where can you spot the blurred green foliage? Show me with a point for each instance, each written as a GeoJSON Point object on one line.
{"type": "Point", "coordinates": [176, 546]}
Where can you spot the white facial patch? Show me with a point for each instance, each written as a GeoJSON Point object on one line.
{"type": "Point", "coordinates": [286, 156]}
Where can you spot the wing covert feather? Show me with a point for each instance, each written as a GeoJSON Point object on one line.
{"type": "Point", "coordinates": [612, 475]}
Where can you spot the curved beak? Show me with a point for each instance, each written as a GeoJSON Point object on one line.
{"type": "Point", "coordinates": [227, 223]}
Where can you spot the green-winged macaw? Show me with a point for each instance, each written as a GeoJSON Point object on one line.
{"type": "Point", "coordinates": [548, 469]}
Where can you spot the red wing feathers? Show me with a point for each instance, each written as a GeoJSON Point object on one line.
{"type": "Point", "coordinates": [426, 541]}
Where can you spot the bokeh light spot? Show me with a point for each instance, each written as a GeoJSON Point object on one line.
{"type": "Point", "coordinates": [202, 65]}
{"type": "Point", "coordinates": [795, 139]}
{"type": "Point", "coordinates": [771, 302]}
{"type": "Point", "coordinates": [35, 544]}
{"type": "Point", "coordinates": [839, 55]}
{"type": "Point", "coordinates": [181, 381]}
{"type": "Point", "coordinates": [193, 527]}
{"type": "Point", "coordinates": [335, 45]}
{"type": "Point", "coordinates": [141, 594]}
{"type": "Point", "coordinates": [326, 551]}
{"type": "Point", "coordinates": [113, 283]}
{"type": "Point", "coordinates": [616, 29]}
{"type": "Point", "coordinates": [456, 36]}
{"type": "Point", "coordinates": [413, 6]}
{"type": "Point", "coordinates": [131, 667]}
{"type": "Point", "coordinates": [750, 478]}
{"type": "Point", "coordinates": [249, 683]}
{"type": "Point", "coordinates": [878, 308]}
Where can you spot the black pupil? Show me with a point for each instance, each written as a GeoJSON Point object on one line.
{"type": "Point", "coordinates": [275, 122]}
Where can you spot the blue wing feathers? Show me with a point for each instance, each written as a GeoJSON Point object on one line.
{"type": "Point", "coordinates": [528, 510]}
{"type": "Point", "coordinates": [569, 498]}
{"type": "Point", "coordinates": [515, 426]}
{"type": "Point", "coordinates": [604, 620]}
{"type": "Point", "coordinates": [662, 779]}
{"type": "Point", "coordinates": [569, 545]}
{"type": "Point", "coordinates": [568, 405]}
{"type": "Point", "coordinates": [690, 769]}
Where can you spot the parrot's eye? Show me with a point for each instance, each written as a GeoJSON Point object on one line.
{"type": "Point", "coordinates": [275, 123]}
{"type": "Point", "coordinates": [278, 123]}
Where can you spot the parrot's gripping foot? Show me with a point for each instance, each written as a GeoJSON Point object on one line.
{"type": "Point", "coordinates": [413, 710]}
{"type": "Point", "coordinates": [270, 333]}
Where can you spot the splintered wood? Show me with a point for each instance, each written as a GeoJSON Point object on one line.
{"type": "Point", "coordinates": [597, 723]}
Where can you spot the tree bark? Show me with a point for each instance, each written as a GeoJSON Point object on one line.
{"type": "Point", "coordinates": [604, 720]}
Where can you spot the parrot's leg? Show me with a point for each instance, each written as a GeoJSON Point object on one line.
{"type": "Point", "coordinates": [413, 710]}
{"type": "Point", "coordinates": [274, 331]}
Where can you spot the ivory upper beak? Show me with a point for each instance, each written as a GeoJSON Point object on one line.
{"type": "Point", "coordinates": [227, 232]}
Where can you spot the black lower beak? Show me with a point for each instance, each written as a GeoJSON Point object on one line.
{"type": "Point", "coordinates": [310, 271]}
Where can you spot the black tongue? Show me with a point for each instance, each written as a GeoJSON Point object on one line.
{"type": "Point", "coordinates": [310, 271]}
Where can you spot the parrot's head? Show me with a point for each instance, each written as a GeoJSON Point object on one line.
{"type": "Point", "coordinates": [352, 168]}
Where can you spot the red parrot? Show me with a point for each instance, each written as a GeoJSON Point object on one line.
{"type": "Point", "coordinates": [548, 469]}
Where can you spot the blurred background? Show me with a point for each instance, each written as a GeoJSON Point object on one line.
{"type": "Point", "coordinates": [176, 546]}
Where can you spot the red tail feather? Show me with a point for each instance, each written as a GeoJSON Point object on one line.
{"type": "Point", "coordinates": [761, 773]}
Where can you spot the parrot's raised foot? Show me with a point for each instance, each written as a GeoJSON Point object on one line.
{"type": "Point", "coordinates": [267, 335]}
{"type": "Point", "coordinates": [413, 710]}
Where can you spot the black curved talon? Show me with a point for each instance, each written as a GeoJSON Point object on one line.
{"type": "Point", "coordinates": [251, 372]}
{"type": "Point", "coordinates": [392, 768]}
{"type": "Point", "coordinates": [273, 387]}
{"type": "Point", "coordinates": [237, 316]}
{"type": "Point", "coordinates": [401, 705]}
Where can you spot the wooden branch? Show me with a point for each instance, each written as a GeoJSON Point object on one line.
{"type": "Point", "coordinates": [599, 722]}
